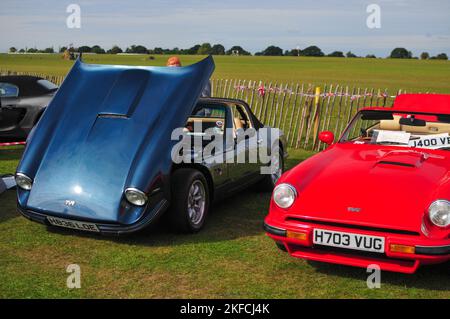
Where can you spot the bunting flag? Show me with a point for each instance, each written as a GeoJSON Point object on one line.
{"type": "Point", "coordinates": [262, 91]}
{"type": "Point", "coordinates": [12, 144]}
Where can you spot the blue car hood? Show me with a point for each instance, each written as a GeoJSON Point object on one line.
{"type": "Point", "coordinates": [107, 128]}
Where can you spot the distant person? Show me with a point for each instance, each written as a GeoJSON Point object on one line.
{"type": "Point", "coordinates": [174, 61]}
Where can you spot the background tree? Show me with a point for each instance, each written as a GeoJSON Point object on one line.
{"type": "Point", "coordinates": [192, 50]}
{"type": "Point", "coordinates": [442, 56]}
{"type": "Point", "coordinates": [97, 49]}
{"type": "Point", "coordinates": [293, 52]}
{"type": "Point", "coordinates": [273, 51]}
{"type": "Point", "coordinates": [173, 51]}
{"type": "Point", "coordinates": [218, 49]}
{"type": "Point", "coordinates": [400, 53]}
{"type": "Point", "coordinates": [22, 51]}
{"type": "Point", "coordinates": [49, 50]}
{"type": "Point", "coordinates": [12, 50]}
{"type": "Point", "coordinates": [62, 49]}
{"type": "Point", "coordinates": [349, 54]}
{"type": "Point", "coordinates": [130, 49]}
{"type": "Point", "coordinates": [139, 49]}
{"type": "Point", "coordinates": [312, 51]}
{"type": "Point", "coordinates": [238, 49]}
{"type": "Point", "coordinates": [204, 49]}
{"type": "Point", "coordinates": [84, 49]}
{"type": "Point", "coordinates": [115, 50]}
{"type": "Point", "coordinates": [424, 56]}
{"type": "Point", "coordinates": [371, 56]}
{"type": "Point", "coordinates": [337, 54]}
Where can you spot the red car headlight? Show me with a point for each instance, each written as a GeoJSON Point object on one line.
{"type": "Point", "coordinates": [284, 195]}
{"type": "Point", "coordinates": [439, 213]}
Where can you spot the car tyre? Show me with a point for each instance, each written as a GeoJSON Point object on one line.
{"type": "Point", "coordinates": [190, 200]}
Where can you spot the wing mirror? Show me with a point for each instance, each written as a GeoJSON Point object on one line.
{"type": "Point", "coordinates": [326, 137]}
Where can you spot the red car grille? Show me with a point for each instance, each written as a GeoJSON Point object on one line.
{"type": "Point", "coordinates": [350, 226]}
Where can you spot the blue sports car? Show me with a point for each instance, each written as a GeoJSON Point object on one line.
{"type": "Point", "coordinates": [100, 159]}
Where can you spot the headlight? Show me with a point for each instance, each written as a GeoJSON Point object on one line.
{"type": "Point", "coordinates": [23, 181]}
{"type": "Point", "coordinates": [135, 196]}
{"type": "Point", "coordinates": [284, 195]}
{"type": "Point", "coordinates": [439, 212]}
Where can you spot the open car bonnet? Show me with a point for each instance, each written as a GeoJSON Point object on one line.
{"type": "Point", "coordinates": [108, 128]}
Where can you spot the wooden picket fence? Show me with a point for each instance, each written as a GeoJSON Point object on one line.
{"type": "Point", "coordinates": [57, 79]}
{"type": "Point", "coordinates": [301, 111]}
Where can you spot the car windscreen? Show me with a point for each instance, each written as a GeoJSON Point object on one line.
{"type": "Point", "coordinates": [431, 131]}
{"type": "Point", "coordinates": [8, 90]}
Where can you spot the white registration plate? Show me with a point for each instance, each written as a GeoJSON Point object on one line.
{"type": "Point", "coordinates": [73, 224]}
{"type": "Point", "coordinates": [348, 240]}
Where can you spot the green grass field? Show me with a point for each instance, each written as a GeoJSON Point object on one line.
{"type": "Point", "coordinates": [230, 258]}
{"type": "Point", "coordinates": [393, 74]}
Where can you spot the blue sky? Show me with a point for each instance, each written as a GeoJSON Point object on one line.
{"type": "Point", "coordinates": [418, 25]}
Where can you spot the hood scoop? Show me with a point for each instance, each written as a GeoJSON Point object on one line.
{"type": "Point", "coordinates": [396, 163]}
{"type": "Point", "coordinates": [402, 158]}
{"type": "Point", "coordinates": [125, 94]}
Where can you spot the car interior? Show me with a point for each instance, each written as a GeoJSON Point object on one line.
{"type": "Point", "coordinates": [421, 125]}
{"type": "Point", "coordinates": [431, 127]}
{"type": "Point", "coordinates": [214, 116]}
{"type": "Point", "coordinates": [240, 117]}
{"type": "Point", "coordinates": [205, 117]}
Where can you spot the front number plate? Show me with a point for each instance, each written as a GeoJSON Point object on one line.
{"type": "Point", "coordinates": [73, 224]}
{"type": "Point", "coordinates": [348, 240]}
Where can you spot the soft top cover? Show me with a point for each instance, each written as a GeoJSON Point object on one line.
{"type": "Point", "coordinates": [423, 103]}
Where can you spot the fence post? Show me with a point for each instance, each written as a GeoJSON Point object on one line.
{"type": "Point", "coordinates": [316, 116]}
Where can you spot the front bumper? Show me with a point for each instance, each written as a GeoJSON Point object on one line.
{"type": "Point", "coordinates": [389, 261]}
{"type": "Point", "coordinates": [104, 228]}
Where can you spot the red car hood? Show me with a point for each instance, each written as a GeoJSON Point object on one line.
{"type": "Point", "coordinates": [387, 187]}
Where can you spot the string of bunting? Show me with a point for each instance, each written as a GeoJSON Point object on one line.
{"type": "Point", "coordinates": [262, 91]}
{"type": "Point", "coordinates": [12, 144]}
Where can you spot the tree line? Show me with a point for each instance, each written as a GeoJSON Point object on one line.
{"type": "Point", "coordinates": [219, 49]}
{"type": "Point", "coordinates": [203, 49]}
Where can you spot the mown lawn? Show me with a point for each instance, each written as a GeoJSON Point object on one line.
{"type": "Point", "coordinates": [393, 74]}
{"type": "Point", "coordinates": [230, 258]}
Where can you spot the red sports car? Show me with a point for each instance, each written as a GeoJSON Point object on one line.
{"type": "Point", "coordinates": [379, 195]}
